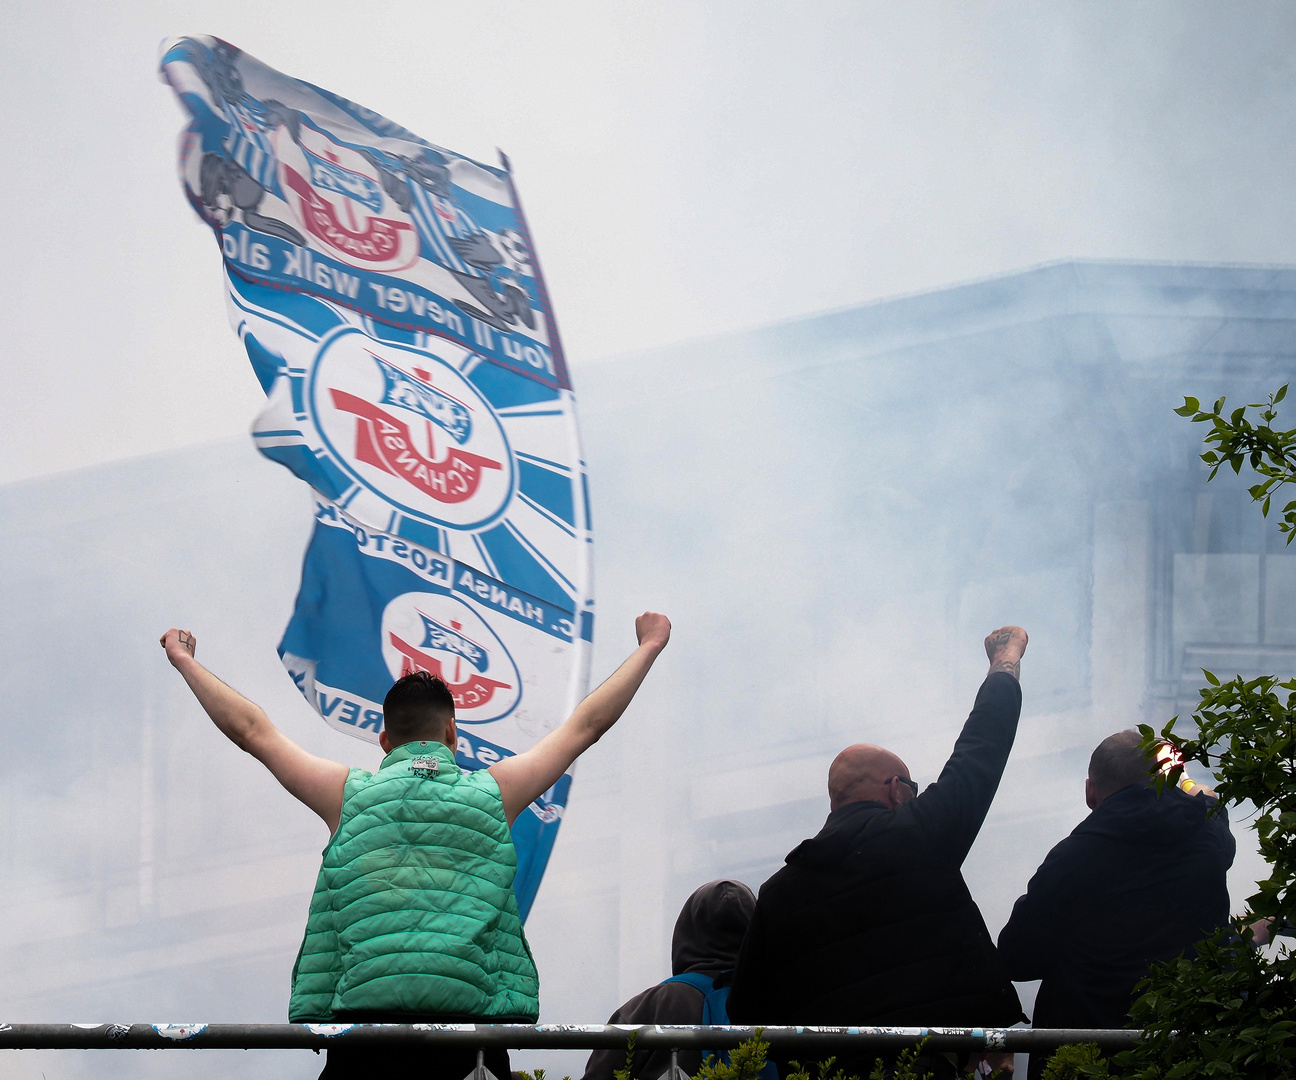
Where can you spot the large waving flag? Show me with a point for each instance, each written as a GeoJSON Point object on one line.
{"type": "Point", "coordinates": [390, 301]}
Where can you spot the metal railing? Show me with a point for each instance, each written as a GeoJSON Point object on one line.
{"type": "Point", "coordinates": [821, 1040]}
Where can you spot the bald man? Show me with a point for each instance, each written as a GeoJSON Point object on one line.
{"type": "Point", "coordinates": [870, 922]}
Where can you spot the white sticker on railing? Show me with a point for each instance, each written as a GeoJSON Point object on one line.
{"type": "Point", "coordinates": [179, 1032]}
{"type": "Point", "coordinates": [328, 1030]}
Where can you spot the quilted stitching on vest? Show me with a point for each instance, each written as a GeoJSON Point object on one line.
{"type": "Point", "coordinates": [414, 909]}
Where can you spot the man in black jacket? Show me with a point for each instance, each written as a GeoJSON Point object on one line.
{"type": "Point", "coordinates": [1142, 878]}
{"type": "Point", "coordinates": [870, 922]}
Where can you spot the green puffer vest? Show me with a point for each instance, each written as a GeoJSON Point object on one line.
{"type": "Point", "coordinates": [414, 908]}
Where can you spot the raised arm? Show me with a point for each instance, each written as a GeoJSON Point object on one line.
{"type": "Point", "coordinates": [315, 781]}
{"type": "Point", "coordinates": [953, 808]}
{"type": "Point", "coordinates": [525, 777]}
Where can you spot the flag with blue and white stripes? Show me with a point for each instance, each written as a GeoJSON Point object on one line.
{"type": "Point", "coordinates": [388, 296]}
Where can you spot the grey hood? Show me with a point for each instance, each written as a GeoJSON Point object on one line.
{"type": "Point", "coordinates": [710, 928]}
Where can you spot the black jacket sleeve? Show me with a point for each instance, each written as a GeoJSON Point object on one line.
{"type": "Point", "coordinates": [950, 811]}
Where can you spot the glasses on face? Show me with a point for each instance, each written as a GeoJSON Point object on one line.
{"type": "Point", "coordinates": [911, 785]}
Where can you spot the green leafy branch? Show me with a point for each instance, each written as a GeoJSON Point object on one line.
{"type": "Point", "coordinates": [1226, 1009]}
{"type": "Point", "coordinates": [1246, 737]}
{"type": "Point", "coordinates": [1226, 1012]}
{"type": "Point", "coordinates": [1077, 1061]}
{"type": "Point", "coordinates": [626, 1072]}
{"type": "Point", "coordinates": [1237, 441]}
{"type": "Point", "coordinates": [1246, 729]}
{"type": "Point", "coordinates": [745, 1061]}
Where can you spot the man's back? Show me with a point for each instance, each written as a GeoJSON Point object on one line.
{"type": "Point", "coordinates": [1142, 878]}
{"type": "Point", "coordinates": [414, 909]}
{"type": "Point", "coordinates": [870, 922]}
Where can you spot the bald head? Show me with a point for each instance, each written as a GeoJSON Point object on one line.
{"type": "Point", "coordinates": [861, 773]}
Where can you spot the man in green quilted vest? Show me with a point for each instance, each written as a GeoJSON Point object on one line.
{"type": "Point", "coordinates": [413, 919]}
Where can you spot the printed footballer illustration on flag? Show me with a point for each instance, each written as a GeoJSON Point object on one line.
{"type": "Point", "coordinates": [391, 305]}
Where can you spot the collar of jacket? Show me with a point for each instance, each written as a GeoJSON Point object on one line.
{"type": "Point", "coordinates": [844, 813]}
{"type": "Point", "coordinates": [420, 748]}
{"type": "Point", "coordinates": [840, 832]}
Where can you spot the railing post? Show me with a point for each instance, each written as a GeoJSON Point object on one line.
{"type": "Point", "coordinates": [479, 1073]}
{"type": "Point", "coordinates": [674, 1073]}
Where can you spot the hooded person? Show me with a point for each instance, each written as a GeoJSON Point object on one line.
{"type": "Point", "coordinates": [1142, 878]}
{"type": "Point", "coordinates": [708, 935]}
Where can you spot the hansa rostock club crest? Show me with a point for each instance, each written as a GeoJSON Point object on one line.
{"type": "Point", "coordinates": [338, 197]}
{"type": "Point", "coordinates": [446, 637]}
{"type": "Point", "coordinates": [411, 432]}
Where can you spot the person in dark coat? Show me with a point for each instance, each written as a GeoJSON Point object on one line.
{"type": "Point", "coordinates": [1142, 878]}
{"type": "Point", "coordinates": [870, 922]}
{"type": "Point", "coordinates": [708, 932]}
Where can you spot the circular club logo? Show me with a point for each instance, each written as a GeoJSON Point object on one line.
{"type": "Point", "coordinates": [409, 428]}
{"type": "Point", "coordinates": [337, 196]}
{"type": "Point", "coordinates": [443, 636]}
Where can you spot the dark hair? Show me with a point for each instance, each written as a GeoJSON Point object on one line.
{"type": "Point", "coordinates": [1118, 762]}
{"type": "Point", "coordinates": [417, 707]}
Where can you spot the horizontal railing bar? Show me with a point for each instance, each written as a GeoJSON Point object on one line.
{"type": "Point", "coordinates": [539, 1037]}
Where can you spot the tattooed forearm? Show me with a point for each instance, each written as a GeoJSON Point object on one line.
{"type": "Point", "coordinates": [1013, 667]}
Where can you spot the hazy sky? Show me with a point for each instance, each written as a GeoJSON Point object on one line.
{"type": "Point", "coordinates": [688, 168]}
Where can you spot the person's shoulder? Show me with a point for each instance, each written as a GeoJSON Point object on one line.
{"type": "Point", "coordinates": [1076, 853]}
{"type": "Point", "coordinates": [1079, 840]}
{"type": "Point", "coordinates": [665, 1003]}
{"type": "Point", "coordinates": [1217, 824]}
{"type": "Point", "coordinates": [356, 778]}
{"type": "Point", "coordinates": [785, 885]}
{"type": "Point", "coordinates": [481, 781]}
{"type": "Point", "coordinates": [1109, 823]}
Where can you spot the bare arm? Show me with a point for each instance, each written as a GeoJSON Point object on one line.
{"type": "Point", "coordinates": [524, 778]}
{"type": "Point", "coordinates": [315, 781]}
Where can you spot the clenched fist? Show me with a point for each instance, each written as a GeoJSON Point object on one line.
{"type": "Point", "coordinates": [178, 644]}
{"type": "Point", "coordinates": [1007, 643]}
{"type": "Point", "coordinates": [653, 630]}
{"type": "Point", "coordinates": [1004, 647]}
